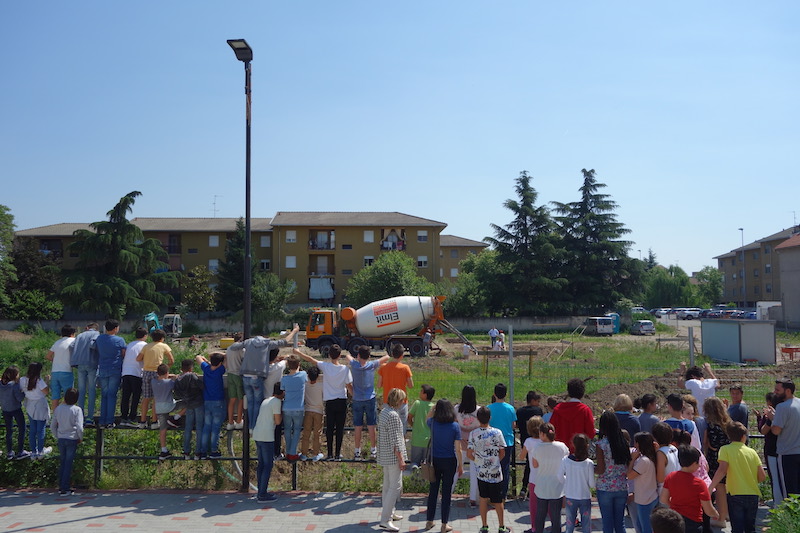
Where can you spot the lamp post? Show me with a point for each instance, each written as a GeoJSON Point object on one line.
{"type": "Point", "coordinates": [245, 54]}
{"type": "Point", "coordinates": [744, 275]}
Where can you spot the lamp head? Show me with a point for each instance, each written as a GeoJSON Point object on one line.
{"type": "Point", "coordinates": [241, 49]}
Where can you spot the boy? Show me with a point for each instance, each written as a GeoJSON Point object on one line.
{"type": "Point", "coordinates": [396, 375]}
{"type": "Point", "coordinates": [152, 355]}
{"type": "Point", "coordinates": [676, 420]}
{"type": "Point", "coordinates": [213, 402]}
{"type": "Point", "coordinates": [664, 520]}
{"type": "Point", "coordinates": [162, 387]}
{"type": "Point", "coordinates": [417, 419]}
{"type": "Point", "coordinates": [524, 414]}
{"type": "Point", "coordinates": [294, 386]}
{"type": "Point", "coordinates": [486, 448]}
{"type": "Point", "coordinates": [552, 401]}
{"type": "Point", "coordinates": [132, 380]}
{"type": "Point", "coordinates": [269, 416]}
{"type": "Point", "coordinates": [189, 398]}
{"type": "Point", "coordinates": [737, 410]}
{"type": "Point", "coordinates": [235, 390]}
{"type": "Point", "coordinates": [364, 401]}
{"type": "Point", "coordinates": [743, 468]}
{"type": "Point", "coordinates": [110, 353]}
{"type": "Point", "coordinates": [67, 427]}
{"type": "Point", "coordinates": [504, 418]}
{"type": "Point", "coordinates": [61, 373]}
{"type": "Point", "coordinates": [312, 419]}
{"type": "Point", "coordinates": [701, 387]}
{"type": "Point", "coordinates": [84, 359]}
{"type": "Point", "coordinates": [573, 416]}
{"type": "Point", "coordinates": [687, 494]}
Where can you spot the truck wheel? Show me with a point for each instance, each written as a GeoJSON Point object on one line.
{"type": "Point", "coordinates": [324, 348]}
{"type": "Point", "coordinates": [416, 349]}
{"type": "Point", "coordinates": [353, 345]}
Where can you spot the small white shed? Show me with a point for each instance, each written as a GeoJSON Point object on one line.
{"type": "Point", "coordinates": [739, 340]}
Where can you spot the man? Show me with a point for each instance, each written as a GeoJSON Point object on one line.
{"type": "Point", "coordinates": [427, 337]}
{"type": "Point", "coordinates": [493, 333]}
{"type": "Point", "coordinates": [737, 410]}
{"type": "Point", "coordinates": [396, 375]}
{"type": "Point", "coordinates": [573, 416]}
{"type": "Point", "coordinates": [364, 401]}
{"type": "Point", "coordinates": [110, 352]}
{"type": "Point", "coordinates": [785, 421]}
{"type": "Point", "coordinates": [84, 358]}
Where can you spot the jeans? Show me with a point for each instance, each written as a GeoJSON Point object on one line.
{"type": "Point", "coordinates": [335, 415]}
{"type": "Point", "coordinates": [87, 381]}
{"type": "Point", "coordinates": [266, 455]}
{"type": "Point", "coordinates": [292, 425]}
{"type": "Point", "coordinates": [131, 394]}
{"type": "Point", "coordinates": [212, 421]}
{"type": "Point", "coordinates": [59, 383]}
{"type": "Point", "coordinates": [551, 507]}
{"type": "Point", "coordinates": [505, 462]}
{"type": "Point", "coordinates": [109, 387]}
{"type": "Point", "coordinates": [37, 435]}
{"type": "Point", "coordinates": [643, 512]}
{"type": "Point", "coordinates": [584, 507]}
{"type": "Point", "coordinates": [10, 417]}
{"type": "Point", "coordinates": [612, 510]}
{"type": "Point", "coordinates": [254, 393]}
{"type": "Point", "coordinates": [195, 418]}
{"type": "Point", "coordinates": [445, 469]}
{"type": "Point", "coordinates": [742, 510]}
{"type": "Point", "coordinates": [67, 449]}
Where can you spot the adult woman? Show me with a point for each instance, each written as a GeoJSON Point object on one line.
{"type": "Point", "coordinates": [446, 453]}
{"type": "Point", "coordinates": [623, 405]}
{"type": "Point", "coordinates": [392, 457]}
{"type": "Point", "coordinates": [717, 419]}
{"type": "Point", "coordinates": [466, 416]}
{"type": "Point", "coordinates": [613, 456]}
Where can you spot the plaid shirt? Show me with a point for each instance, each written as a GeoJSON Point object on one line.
{"type": "Point", "coordinates": [390, 437]}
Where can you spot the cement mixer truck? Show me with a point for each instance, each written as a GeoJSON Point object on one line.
{"type": "Point", "coordinates": [380, 325]}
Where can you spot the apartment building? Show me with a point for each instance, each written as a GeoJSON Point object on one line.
{"type": "Point", "coordinates": [789, 252]}
{"type": "Point", "coordinates": [453, 250]}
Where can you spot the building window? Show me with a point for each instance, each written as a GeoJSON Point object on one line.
{"type": "Point", "coordinates": [266, 241]}
{"type": "Point", "coordinates": [453, 254]}
{"type": "Point", "coordinates": [733, 292]}
{"type": "Point", "coordinates": [213, 241]}
{"type": "Point", "coordinates": [422, 261]}
{"type": "Point", "coordinates": [767, 249]}
{"type": "Point", "coordinates": [453, 272]}
{"type": "Point", "coordinates": [213, 265]}
{"type": "Point", "coordinates": [768, 268]}
{"type": "Point", "coordinates": [741, 273]}
{"type": "Point", "coordinates": [369, 235]}
{"type": "Point", "coordinates": [368, 260]}
{"type": "Point", "coordinates": [174, 243]}
{"type": "Point", "coordinates": [422, 235]}
{"type": "Point", "coordinates": [755, 272]}
{"type": "Point", "coordinates": [291, 261]}
{"type": "Point", "coordinates": [734, 275]}
{"type": "Point", "coordinates": [347, 247]}
{"type": "Point", "coordinates": [192, 250]}
{"type": "Point", "coordinates": [768, 288]}
{"type": "Point", "coordinates": [756, 289]}
{"type": "Point", "coordinates": [266, 264]}
{"type": "Point", "coordinates": [347, 272]}
{"type": "Point", "coordinates": [755, 254]}
{"type": "Point", "coordinates": [291, 235]}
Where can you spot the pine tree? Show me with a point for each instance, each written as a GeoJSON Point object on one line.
{"type": "Point", "coordinates": [230, 276]}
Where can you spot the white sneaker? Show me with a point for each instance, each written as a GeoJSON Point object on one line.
{"type": "Point", "coordinates": [318, 457]}
{"type": "Point", "coordinates": [373, 453]}
{"type": "Point", "coordinates": [238, 425]}
{"type": "Point", "coordinates": [389, 526]}
{"type": "Point", "coordinates": [229, 427]}
{"type": "Point", "coordinates": [47, 450]}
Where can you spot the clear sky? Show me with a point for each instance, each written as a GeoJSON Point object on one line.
{"type": "Point", "coordinates": [688, 111]}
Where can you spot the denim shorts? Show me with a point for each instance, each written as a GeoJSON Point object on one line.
{"type": "Point", "coordinates": [59, 383]}
{"type": "Point", "coordinates": [364, 408]}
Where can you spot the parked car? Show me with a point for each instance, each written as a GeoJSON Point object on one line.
{"type": "Point", "coordinates": [661, 311]}
{"type": "Point", "coordinates": [599, 325]}
{"type": "Point", "coordinates": [638, 310]}
{"type": "Point", "coordinates": [704, 313]}
{"type": "Point", "coordinates": [739, 314]}
{"type": "Point", "coordinates": [643, 327]}
{"type": "Point", "coordinates": [751, 315]}
{"type": "Point", "coordinates": [728, 313]}
{"type": "Point", "coordinates": [714, 313]}
{"type": "Point", "coordinates": [689, 313]}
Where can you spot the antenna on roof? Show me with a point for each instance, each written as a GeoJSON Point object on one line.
{"type": "Point", "coordinates": [214, 209]}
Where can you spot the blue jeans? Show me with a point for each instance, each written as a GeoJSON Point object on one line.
{"type": "Point", "coordinates": [10, 417]}
{"type": "Point", "coordinates": [212, 421]}
{"type": "Point", "coordinates": [643, 512]}
{"type": "Point", "coordinates": [292, 425]}
{"type": "Point", "coordinates": [254, 392]}
{"type": "Point", "coordinates": [59, 383]}
{"type": "Point", "coordinates": [67, 449]}
{"type": "Point", "coordinates": [505, 462]}
{"type": "Point", "coordinates": [612, 510]}
{"type": "Point", "coordinates": [109, 387]}
{"type": "Point", "coordinates": [36, 434]}
{"type": "Point", "coordinates": [742, 510]}
{"type": "Point", "coordinates": [445, 470]}
{"type": "Point", "coordinates": [195, 418]}
{"type": "Point", "coordinates": [266, 455]}
{"type": "Point", "coordinates": [584, 507]}
{"type": "Point", "coordinates": [87, 381]}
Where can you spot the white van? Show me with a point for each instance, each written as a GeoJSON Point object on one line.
{"type": "Point", "coordinates": [599, 325]}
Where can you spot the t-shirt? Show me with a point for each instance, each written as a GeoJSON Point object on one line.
{"type": "Point", "coordinates": [109, 349]}
{"type": "Point", "coordinates": [702, 389]}
{"type": "Point", "coordinates": [233, 359]}
{"type": "Point", "coordinates": [313, 397]}
{"type": "Point", "coordinates": [363, 379]}
{"type": "Point", "coordinates": [647, 421]}
{"type": "Point", "coordinates": [62, 349]}
{"type": "Point", "coordinates": [36, 403]}
{"type": "Point", "coordinates": [503, 418]}
{"type": "Point", "coordinates": [130, 366]}
{"type": "Point", "coordinates": [739, 413]}
{"type": "Point", "coordinates": [295, 387]}
{"type": "Point", "coordinates": [420, 433]}
{"type": "Point", "coordinates": [153, 355]}
{"type": "Point", "coordinates": [578, 478]}
{"type": "Point", "coordinates": [787, 417]}
{"type": "Point", "coordinates": [162, 393]}
{"type": "Point", "coordinates": [686, 425]}
{"type": "Point", "coordinates": [685, 494]}
{"type": "Point", "coordinates": [334, 386]}
{"type": "Point", "coordinates": [485, 443]}
{"type": "Point", "coordinates": [743, 465]}
{"type": "Point", "coordinates": [467, 422]}
{"type": "Point", "coordinates": [394, 375]}
{"type": "Point", "coordinates": [444, 437]}
{"type": "Point", "coordinates": [264, 429]}
{"type": "Point", "coordinates": [530, 444]}
{"type": "Point", "coordinates": [524, 414]}
{"type": "Point", "coordinates": [645, 487]}
{"type": "Point", "coordinates": [548, 455]}
{"type": "Point", "coordinates": [274, 375]}
{"type": "Point", "coordinates": [213, 386]}
{"type": "Point", "coordinates": [572, 417]}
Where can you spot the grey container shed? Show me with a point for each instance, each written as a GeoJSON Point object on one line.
{"type": "Point", "coordinates": [739, 340]}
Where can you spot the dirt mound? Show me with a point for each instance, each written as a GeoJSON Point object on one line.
{"type": "Point", "coordinates": [13, 336]}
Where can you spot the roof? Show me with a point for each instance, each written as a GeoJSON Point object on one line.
{"type": "Point", "coordinates": [353, 218]}
{"type": "Point", "coordinates": [452, 240]}
{"type": "Point", "coordinates": [756, 245]}
{"type": "Point", "coordinates": [65, 229]}
{"type": "Point", "coordinates": [791, 242]}
{"type": "Point", "coordinates": [198, 224]}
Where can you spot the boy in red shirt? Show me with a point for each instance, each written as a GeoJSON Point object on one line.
{"type": "Point", "coordinates": [685, 493]}
{"type": "Point", "coordinates": [573, 416]}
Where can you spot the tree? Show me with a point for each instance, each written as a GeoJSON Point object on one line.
{"type": "Point", "coordinates": [392, 274]}
{"type": "Point", "coordinates": [668, 287]}
{"type": "Point", "coordinates": [269, 299]}
{"type": "Point", "coordinates": [531, 251]}
{"type": "Point", "coordinates": [7, 270]}
{"type": "Point", "coordinates": [709, 286]}
{"type": "Point", "coordinates": [34, 304]}
{"type": "Point", "coordinates": [230, 276]}
{"type": "Point", "coordinates": [36, 270]}
{"type": "Point", "coordinates": [118, 270]}
{"type": "Point", "coordinates": [197, 293]}
{"type": "Point", "coordinates": [488, 292]}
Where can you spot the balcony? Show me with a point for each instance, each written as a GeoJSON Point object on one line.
{"type": "Point", "coordinates": [322, 240]}
{"type": "Point", "coordinates": [388, 245]}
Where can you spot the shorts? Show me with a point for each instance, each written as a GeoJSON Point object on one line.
{"type": "Point", "coordinates": [362, 408]}
{"type": "Point", "coordinates": [147, 384]}
{"type": "Point", "coordinates": [235, 388]}
{"type": "Point", "coordinates": [493, 491]}
{"type": "Point", "coordinates": [162, 420]}
{"type": "Point", "coordinates": [59, 383]}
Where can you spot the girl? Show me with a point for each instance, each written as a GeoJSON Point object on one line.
{"type": "Point", "coordinates": [38, 408]}
{"type": "Point", "coordinates": [549, 489]}
{"type": "Point", "coordinates": [11, 397]}
{"type": "Point", "coordinates": [642, 469]}
{"type": "Point", "coordinates": [667, 454]}
{"type": "Point", "coordinates": [715, 438]}
{"type": "Point", "coordinates": [446, 454]}
{"type": "Point", "coordinates": [613, 456]}
{"type": "Point", "coordinates": [466, 416]}
{"type": "Point", "coordinates": [533, 440]}
{"type": "Point", "coordinates": [648, 405]}
{"type": "Point", "coordinates": [578, 472]}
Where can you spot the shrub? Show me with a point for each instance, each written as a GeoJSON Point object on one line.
{"type": "Point", "coordinates": [785, 517]}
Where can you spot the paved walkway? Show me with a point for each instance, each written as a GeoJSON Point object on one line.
{"type": "Point", "coordinates": [192, 512]}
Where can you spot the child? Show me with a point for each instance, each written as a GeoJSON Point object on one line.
{"type": "Point", "coordinates": [11, 397]}
{"type": "Point", "coordinates": [524, 413]}
{"type": "Point", "coordinates": [420, 433]}
{"type": "Point", "coordinates": [235, 389]}
{"type": "Point", "coordinates": [164, 404]}
{"type": "Point", "coordinates": [549, 488]}
{"type": "Point", "coordinates": [61, 377]}
{"type": "Point", "coordinates": [485, 449]}
{"type": "Point", "coordinates": [664, 520]}
{"type": "Point", "coordinates": [642, 469]}
{"type": "Point", "coordinates": [532, 425]}
{"type": "Point", "coordinates": [504, 418]}
{"type": "Point", "coordinates": [151, 356]}
{"type": "Point", "coordinates": [213, 402]}
{"type": "Point", "coordinates": [132, 380]}
{"type": "Point", "coordinates": [189, 397]}
{"type": "Point", "coordinates": [666, 455]}
{"type": "Point", "coordinates": [294, 385]}
{"type": "Point", "coordinates": [578, 472]}
{"type": "Point", "coordinates": [743, 467]}
{"type": "Point", "coordinates": [67, 427]}
{"type": "Point", "coordinates": [37, 407]}
{"type": "Point", "coordinates": [312, 420]}
{"type": "Point", "coordinates": [552, 401]}
{"type": "Point", "coordinates": [687, 494]}
{"type": "Point", "coordinates": [269, 416]}
{"type": "Point", "coordinates": [364, 398]}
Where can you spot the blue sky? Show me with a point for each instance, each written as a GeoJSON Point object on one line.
{"type": "Point", "coordinates": [686, 110]}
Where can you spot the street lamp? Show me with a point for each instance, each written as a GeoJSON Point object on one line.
{"type": "Point", "coordinates": [744, 275]}
{"type": "Point", "coordinates": [245, 54]}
